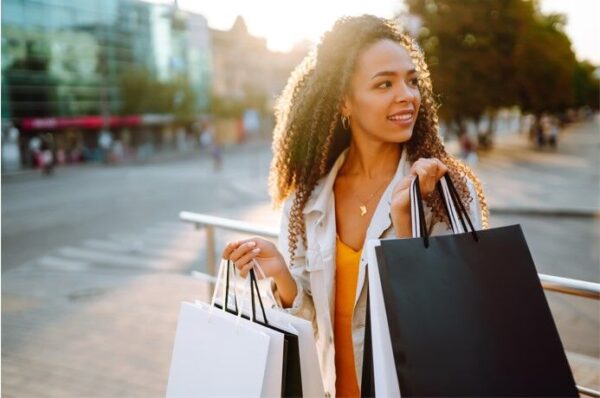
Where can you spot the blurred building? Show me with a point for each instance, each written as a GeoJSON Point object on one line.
{"type": "Point", "coordinates": [64, 62]}
{"type": "Point", "coordinates": [89, 76]}
{"type": "Point", "coordinates": [246, 79]}
{"type": "Point", "coordinates": [243, 65]}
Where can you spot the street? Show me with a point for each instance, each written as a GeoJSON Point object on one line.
{"type": "Point", "coordinates": [95, 260]}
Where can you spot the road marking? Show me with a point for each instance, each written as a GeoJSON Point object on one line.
{"type": "Point", "coordinates": [63, 264]}
{"type": "Point", "coordinates": [165, 250]}
{"type": "Point", "coordinates": [117, 260]}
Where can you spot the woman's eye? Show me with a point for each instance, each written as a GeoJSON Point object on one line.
{"type": "Point", "coordinates": [414, 81]}
{"type": "Point", "coordinates": [385, 84]}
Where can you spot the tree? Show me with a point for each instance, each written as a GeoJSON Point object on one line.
{"type": "Point", "coordinates": [545, 65]}
{"type": "Point", "coordinates": [469, 47]}
{"type": "Point", "coordinates": [485, 55]}
{"type": "Point", "coordinates": [143, 93]}
{"type": "Point", "coordinates": [587, 86]}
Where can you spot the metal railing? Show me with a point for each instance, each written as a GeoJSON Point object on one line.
{"type": "Point", "coordinates": [553, 283]}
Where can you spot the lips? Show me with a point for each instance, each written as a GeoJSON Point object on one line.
{"type": "Point", "coordinates": [401, 116]}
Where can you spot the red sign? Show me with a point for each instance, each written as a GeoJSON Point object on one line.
{"type": "Point", "coordinates": [82, 122]}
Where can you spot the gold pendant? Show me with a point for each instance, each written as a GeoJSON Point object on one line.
{"type": "Point", "coordinates": [363, 210]}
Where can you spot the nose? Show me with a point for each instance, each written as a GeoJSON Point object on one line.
{"type": "Point", "coordinates": [404, 94]}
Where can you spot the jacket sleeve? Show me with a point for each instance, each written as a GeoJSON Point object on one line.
{"type": "Point", "coordinates": [474, 211]}
{"type": "Point", "coordinates": [303, 303]}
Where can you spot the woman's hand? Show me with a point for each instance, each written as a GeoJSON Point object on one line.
{"type": "Point", "coordinates": [430, 171]}
{"type": "Point", "coordinates": [243, 252]}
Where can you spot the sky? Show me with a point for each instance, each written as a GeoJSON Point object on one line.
{"type": "Point", "coordinates": [286, 22]}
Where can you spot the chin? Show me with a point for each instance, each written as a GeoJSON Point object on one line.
{"type": "Point", "coordinates": [401, 136]}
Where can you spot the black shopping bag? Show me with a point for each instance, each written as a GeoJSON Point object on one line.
{"type": "Point", "coordinates": [467, 315]}
{"type": "Point", "coordinates": [292, 379]}
{"type": "Point", "coordinates": [367, 385]}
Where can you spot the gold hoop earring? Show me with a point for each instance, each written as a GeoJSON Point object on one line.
{"type": "Point", "coordinates": [346, 122]}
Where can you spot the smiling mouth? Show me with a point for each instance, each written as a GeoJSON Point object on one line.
{"type": "Point", "coordinates": [401, 117]}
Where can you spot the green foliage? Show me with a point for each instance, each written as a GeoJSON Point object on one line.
{"type": "Point", "coordinates": [469, 46]}
{"type": "Point", "coordinates": [228, 107]}
{"type": "Point", "coordinates": [225, 107]}
{"type": "Point", "coordinates": [488, 54]}
{"type": "Point", "coordinates": [545, 65]}
{"type": "Point", "coordinates": [143, 93]}
{"type": "Point", "coordinates": [587, 86]}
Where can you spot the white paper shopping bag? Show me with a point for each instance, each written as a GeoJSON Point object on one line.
{"type": "Point", "coordinates": [216, 354]}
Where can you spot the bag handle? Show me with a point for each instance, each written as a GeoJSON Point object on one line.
{"type": "Point", "coordinates": [217, 284]}
{"type": "Point", "coordinates": [455, 210]}
{"type": "Point", "coordinates": [227, 288]}
{"type": "Point", "coordinates": [456, 221]}
{"type": "Point", "coordinates": [253, 290]}
{"type": "Point", "coordinates": [464, 213]}
{"type": "Point", "coordinates": [262, 274]}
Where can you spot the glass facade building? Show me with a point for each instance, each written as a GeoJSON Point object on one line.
{"type": "Point", "coordinates": [68, 59]}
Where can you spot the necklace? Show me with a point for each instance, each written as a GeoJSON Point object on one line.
{"type": "Point", "coordinates": [363, 206]}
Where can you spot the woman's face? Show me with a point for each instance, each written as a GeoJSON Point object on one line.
{"type": "Point", "coordinates": [383, 102]}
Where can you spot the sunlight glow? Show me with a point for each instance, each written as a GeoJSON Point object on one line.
{"type": "Point", "coordinates": [286, 22]}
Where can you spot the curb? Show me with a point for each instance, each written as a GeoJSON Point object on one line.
{"type": "Point", "coordinates": [550, 212]}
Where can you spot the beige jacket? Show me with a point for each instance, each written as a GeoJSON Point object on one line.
{"type": "Point", "coordinates": [314, 266]}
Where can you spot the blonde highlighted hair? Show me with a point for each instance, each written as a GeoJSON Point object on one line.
{"type": "Point", "coordinates": [308, 135]}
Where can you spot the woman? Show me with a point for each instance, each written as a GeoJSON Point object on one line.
{"type": "Point", "coordinates": [355, 124]}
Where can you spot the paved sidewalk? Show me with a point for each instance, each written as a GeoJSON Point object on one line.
{"type": "Point", "coordinates": [106, 332]}
{"type": "Point", "coordinates": [103, 340]}
{"type": "Point", "coordinates": [555, 196]}
{"type": "Point", "coordinates": [517, 177]}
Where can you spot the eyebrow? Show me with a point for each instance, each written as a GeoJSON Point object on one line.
{"type": "Point", "coordinates": [391, 73]}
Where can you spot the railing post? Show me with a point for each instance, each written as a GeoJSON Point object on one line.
{"type": "Point", "coordinates": [211, 266]}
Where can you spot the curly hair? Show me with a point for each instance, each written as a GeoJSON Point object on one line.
{"type": "Point", "coordinates": [308, 135]}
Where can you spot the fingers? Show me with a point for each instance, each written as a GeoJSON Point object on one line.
{"type": "Point", "coordinates": [427, 179]}
{"type": "Point", "coordinates": [429, 171]}
{"type": "Point", "coordinates": [441, 168]}
{"type": "Point", "coordinates": [242, 253]}
{"type": "Point", "coordinates": [242, 250]}
{"type": "Point", "coordinates": [246, 258]}
{"type": "Point", "coordinates": [231, 246]}
{"type": "Point", "coordinates": [245, 269]}
{"type": "Point", "coordinates": [429, 168]}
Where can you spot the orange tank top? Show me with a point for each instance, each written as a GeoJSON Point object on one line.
{"type": "Point", "coordinates": [346, 275]}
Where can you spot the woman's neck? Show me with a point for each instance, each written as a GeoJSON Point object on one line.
{"type": "Point", "coordinates": [371, 159]}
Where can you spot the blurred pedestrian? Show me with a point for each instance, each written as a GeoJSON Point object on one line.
{"type": "Point", "coordinates": [46, 157]}
{"type": "Point", "coordinates": [217, 156]}
{"type": "Point", "coordinates": [118, 151]}
{"type": "Point", "coordinates": [467, 150]}
{"type": "Point", "coordinates": [537, 132]}
{"type": "Point", "coordinates": [104, 143]}
{"type": "Point", "coordinates": [206, 137]}
{"type": "Point", "coordinates": [553, 132]}
{"type": "Point", "coordinates": [355, 125]}
{"type": "Point", "coordinates": [35, 144]}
